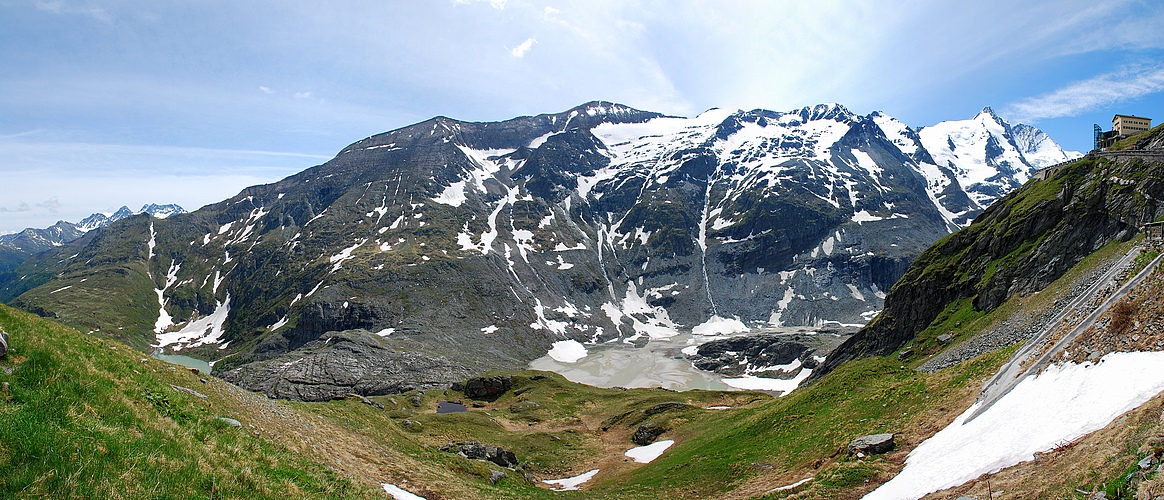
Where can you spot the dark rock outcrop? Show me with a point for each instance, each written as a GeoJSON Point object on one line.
{"type": "Point", "coordinates": [477, 451]}
{"type": "Point", "coordinates": [662, 407]}
{"type": "Point", "coordinates": [342, 363]}
{"type": "Point", "coordinates": [647, 433]}
{"type": "Point", "coordinates": [759, 353]}
{"type": "Point", "coordinates": [487, 388]}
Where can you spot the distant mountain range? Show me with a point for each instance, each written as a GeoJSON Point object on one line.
{"type": "Point", "coordinates": [16, 247]}
{"type": "Point", "coordinates": [448, 246]}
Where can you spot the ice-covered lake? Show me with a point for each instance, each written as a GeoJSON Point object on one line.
{"type": "Point", "coordinates": [660, 363]}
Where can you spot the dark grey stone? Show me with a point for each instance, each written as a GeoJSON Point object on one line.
{"type": "Point", "coordinates": [733, 356]}
{"type": "Point", "coordinates": [872, 444]}
{"type": "Point", "coordinates": [487, 387]}
{"type": "Point", "coordinates": [647, 433]}
{"type": "Point", "coordinates": [477, 451]}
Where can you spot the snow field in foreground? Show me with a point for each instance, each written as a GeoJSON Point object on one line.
{"type": "Point", "coordinates": [571, 483]}
{"type": "Point", "coordinates": [399, 494]}
{"type": "Point", "coordinates": [1060, 405]}
{"type": "Point", "coordinates": [645, 454]}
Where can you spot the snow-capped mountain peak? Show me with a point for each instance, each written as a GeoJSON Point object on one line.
{"type": "Point", "coordinates": [101, 219]}
{"type": "Point", "coordinates": [162, 211]}
{"type": "Point", "coordinates": [988, 156]}
{"type": "Point", "coordinates": [1038, 148]}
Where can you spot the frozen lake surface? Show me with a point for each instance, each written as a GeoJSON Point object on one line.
{"type": "Point", "coordinates": [661, 363]}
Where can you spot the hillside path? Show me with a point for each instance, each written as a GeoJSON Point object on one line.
{"type": "Point", "coordinates": [1013, 371]}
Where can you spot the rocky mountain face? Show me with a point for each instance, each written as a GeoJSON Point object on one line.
{"type": "Point", "coordinates": [1020, 244]}
{"type": "Point", "coordinates": [477, 245]}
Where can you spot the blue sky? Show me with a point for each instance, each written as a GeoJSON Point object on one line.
{"type": "Point", "coordinates": [110, 103]}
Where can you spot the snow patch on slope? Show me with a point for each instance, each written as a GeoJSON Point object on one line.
{"type": "Point", "coordinates": [1030, 419]}
{"type": "Point", "coordinates": [206, 330]}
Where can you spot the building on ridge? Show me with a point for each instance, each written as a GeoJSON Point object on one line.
{"type": "Point", "coordinates": [1127, 125]}
{"type": "Point", "coordinates": [1121, 126]}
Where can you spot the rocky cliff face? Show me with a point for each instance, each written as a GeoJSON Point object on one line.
{"type": "Point", "coordinates": [1019, 245]}
{"type": "Point", "coordinates": [480, 244]}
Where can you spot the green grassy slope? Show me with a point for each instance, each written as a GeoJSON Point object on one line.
{"type": "Point", "coordinates": [86, 418]}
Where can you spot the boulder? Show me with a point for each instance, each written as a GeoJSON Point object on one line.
{"type": "Point", "coordinates": [230, 421]}
{"type": "Point", "coordinates": [647, 433]}
{"type": "Point", "coordinates": [478, 451]}
{"type": "Point", "coordinates": [904, 355]}
{"type": "Point", "coordinates": [487, 387]}
{"type": "Point", "coordinates": [872, 444]}
{"type": "Point", "coordinates": [3, 343]}
{"type": "Point", "coordinates": [945, 338]}
{"type": "Point", "coordinates": [496, 476]}
{"type": "Point", "coordinates": [188, 390]}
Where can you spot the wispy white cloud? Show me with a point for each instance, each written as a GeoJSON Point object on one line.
{"type": "Point", "coordinates": [549, 12]}
{"type": "Point", "coordinates": [496, 4]}
{"type": "Point", "coordinates": [523, 47]}
{"type": "Point", "coordinates": [51, 204]}
{"type": "Point", "coordinates": [1086, 95]}
{"type": "Point", "coordinates": [265, 89]}
{"type": "Point", "coordinates": [303, 95]}
{"type": "Point", "coordinates": [23, 206]}
{"type": "Point", "coordinates": [61, 7]}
